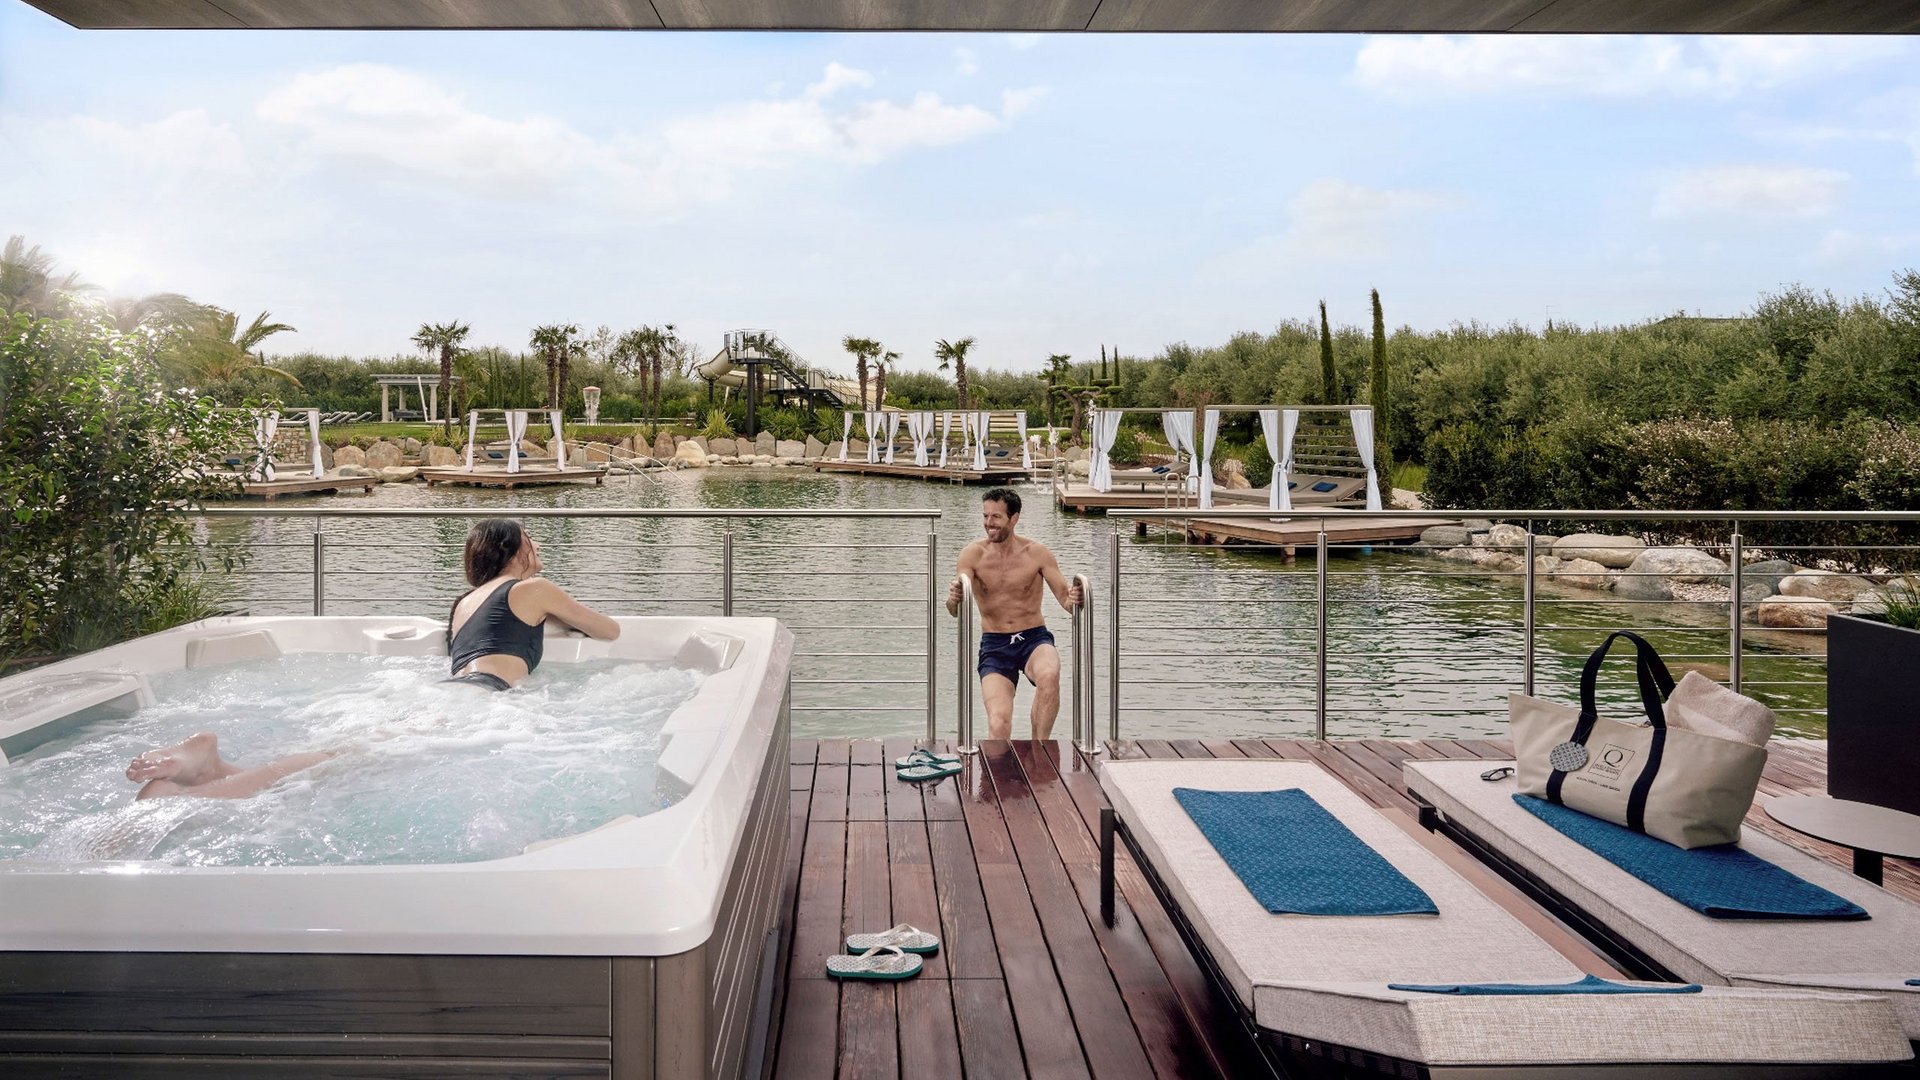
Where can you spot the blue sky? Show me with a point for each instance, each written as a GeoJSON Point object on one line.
{"type": "Point", "coordinates": [1043, 194]}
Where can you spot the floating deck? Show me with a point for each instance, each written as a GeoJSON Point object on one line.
{"type": "Point", "coordinates": [1304, 532]}
{"type": "Point", "coordinates": [1080, 497]}
{"type": "Point", "coordinates": [1002, 863]}
{"type": "Point", "coordinates": [501, 478]}
{"type": "Point", "coordinates": [990, 475]}
{"type": "Point", "coordinates": [307, 485]}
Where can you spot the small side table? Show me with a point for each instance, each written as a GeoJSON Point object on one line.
{"type": "Point", "coordinates": [1873, 832]}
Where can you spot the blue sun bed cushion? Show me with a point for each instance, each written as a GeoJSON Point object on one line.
{"type": "Point", "coordinates": [1297, 859]}
{"type": "Point", "coordinates": [1720, 882]}
{"type": "Point", "coordinates": [1591, 984]}
{"type": "Point", "coordinates": [1325, 485]}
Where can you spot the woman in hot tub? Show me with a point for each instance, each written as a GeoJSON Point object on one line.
{"type": "Point", "coordinates": [495, 635]}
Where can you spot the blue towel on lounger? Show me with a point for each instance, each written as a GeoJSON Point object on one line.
{"type": "Point", "coordinates": [1298, 859]}
{"type": "Point", "coordinates": [1723, 882]}
{"type": "Point", "coordinates": [1913, 982]}
{"type": "Point", "coordinates": [1591, 984]}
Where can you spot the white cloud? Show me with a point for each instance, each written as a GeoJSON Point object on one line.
{"type": "Point", "coordinates": [189, 140]}
{"type": "Point", "coordinates": [837, 78]}
{"type": "Point", "coordinates": [1750, 191]}
{"type": "Point", "coordinates": [1845, 245]}
{"type": "Point", "coordinates": [1414, 68]}
{"type": "Point", "coordinates": [1338, 219]}
{"type": "Point", "coordinates": [1023, 42]}
{"type": "Point", "coordinates": [965, 62]}
{"type": "Point", "coordinates": [1015, 102]}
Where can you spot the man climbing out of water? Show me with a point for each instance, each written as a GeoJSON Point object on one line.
{"type": "Point", "coordinates": [1007, 572]}
{"type": "Point", "coordinates": [196, 768]}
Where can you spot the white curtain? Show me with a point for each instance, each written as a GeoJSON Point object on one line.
{"type": "Point", "coordinates": [516, 428]}
{"type": "Point", "coordinates": [1106, 428]}
{"type": "Point", "coordinates": [980, 442]}
{"type": "Point", "coordinates": [1363, 441]}
{"type": "Point", "coordinates": [893, 430]}
{"type": "Point", "coordinates": [873, 438]}
{"type": "Point", "coordinates": [1177, 425]}
{"type": "Point", "coordinates": [920, 426]}
{"type": "Point", "coordinates": [1205, 465]}
{"type": "Point", "coordinates": [846, 432]}
{"type": "Point", "coordinates": [1283, 457]}
{"type": "Point", "coordinates": [473, 431]}
{"type": "Point", "coordinates": [313, 443]}
{"type": "Point", "coordinates": [1276, 492]}
{"type": "Point", "coordinates": [1026, 448]}
{"type": "Point", "coordinates": [264, 426]}
{"type": "Point", "coordinates": [946, 429]}
{"type": "Point", "coordinates": [559, 440]}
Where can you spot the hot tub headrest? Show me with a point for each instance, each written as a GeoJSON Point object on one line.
{"type": "Point", "coordinates": [227, 648]}
{"type": "Point", "coordinates": [709, 651]}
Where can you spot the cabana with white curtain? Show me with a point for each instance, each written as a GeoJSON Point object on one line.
{"type": "Point", "coordinates": [272, 466]}
{"type": "Point", "coordinates": [501, 462]}
{"type": "Point", "coordinates": [970, 445]}
{"type": "Point", "coordinates": [1330, 466]}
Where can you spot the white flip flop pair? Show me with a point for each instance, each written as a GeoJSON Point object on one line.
{"type": "Point", "coordinates": [926, 765]}
{"type": "Point", "coordinates": [888, 955]}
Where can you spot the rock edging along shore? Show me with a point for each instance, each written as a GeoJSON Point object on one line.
{"type": "Point", "coordinates": [398, 461]}
{"type": "Point", "coordinates": [1775, 592]}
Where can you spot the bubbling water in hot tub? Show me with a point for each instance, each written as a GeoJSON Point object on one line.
{"type": "Point", "coordinates": [425, 772]}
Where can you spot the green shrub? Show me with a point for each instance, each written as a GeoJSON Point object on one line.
{"type": "Point", "coordinates": [717, 425]}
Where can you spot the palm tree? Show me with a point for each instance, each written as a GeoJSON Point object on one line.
{"type": "Point", "coordinates": [645, 353]}
{"type": "Point", "coordinates": [555, 344]}
{"type": "Point", "coordinates": [444, 340]}
{"type": "Point", "coordinates": [129, 313]}
{"type": "Point", "coordinates": [215, 351]}
{"type": "Point", "coordinates": [955, 353]}
{"type": "Point", "coordinates": [863, 350]}
{"type": "Point", "coordinates": [27, 283]}
{"type": "Point", "coordinates": [880, 381]}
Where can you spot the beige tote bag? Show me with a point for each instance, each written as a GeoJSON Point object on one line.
{"type": "Point", "coordinates": [1687, 788]}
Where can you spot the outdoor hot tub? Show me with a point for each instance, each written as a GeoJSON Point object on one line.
{"type": "Point", "coordinates": [641, 946]}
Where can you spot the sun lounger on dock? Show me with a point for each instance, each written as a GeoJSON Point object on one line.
{"type": "Point", "coordinates": [1660, 937]}
{"type": "Point", "coordinates": [1318, 992]}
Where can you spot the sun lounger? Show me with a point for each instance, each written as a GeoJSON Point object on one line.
{"type": "Point", "coordinates": [1659, 937]}
{"type": "Point", "coordinates": [1314, 990]}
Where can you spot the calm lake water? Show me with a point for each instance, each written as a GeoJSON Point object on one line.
{"type": "Point", "coordinates": [1215, 642]}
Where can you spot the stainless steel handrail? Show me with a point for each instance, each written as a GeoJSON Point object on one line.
{"type": "Point", "coordinates": [552, 512]}
{"type": "Point", "coordinates": [1336, 514]}
{"type": "Point", "coordinates": [1083, 669]}
{"type": "Point", "coordinates": [963, 674]}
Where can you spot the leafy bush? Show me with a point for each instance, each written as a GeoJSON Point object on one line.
{"type": "Point", "coordinates": [101, 456]}
{"type": "Point", "coordinates": [717, 425]}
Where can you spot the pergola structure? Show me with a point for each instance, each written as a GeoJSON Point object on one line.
{"type": "Point", "coordinates": [1058, 16]}
{"type": "Point", "coordinates": [427, 386]}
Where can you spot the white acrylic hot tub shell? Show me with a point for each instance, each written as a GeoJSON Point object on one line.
{"type": "Point", "coordinates": [647, 886]}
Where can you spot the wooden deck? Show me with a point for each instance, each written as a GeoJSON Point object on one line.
{"type": "Point", "coordinates": [501, 478]}
{"type": "Point", "coordinates": [1002, 862]}
{"type": "Point", "coordinates": [307, 485]}
{"type": "Point", "coordinates": [1303, 532]}
{"type": "Point", "coordinates": [992, 473]}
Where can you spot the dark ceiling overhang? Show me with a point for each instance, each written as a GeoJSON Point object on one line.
{"type": "Point", "coordinates": [1140, 16]}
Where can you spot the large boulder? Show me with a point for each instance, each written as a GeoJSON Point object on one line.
{"type": "Point", "coordinates": [1679, 564]}
{"type": "Point", "coordinates": [1581, 573]}
{"type": "Point", "coordinates": [384, 455]}
{"type": "Point", "coordinates": [1443, 536]}
{"type": "Point", "coordinates": [355, 472]}
{"type": "Point", "coordinates": [697, 440]}
{"type": "Point", "coordinates": [662, 446]}
{"type": "Point", "coordinates": [1478, 525]}
{"type": "Point", "coordinates": [723, 447]}
{"type": "Point", "coordinates": [1077, 453]}
{"type": "Point", "coordinates": [1079, 470]}
{"type": "Point", "coordinates": [1486, 558]}
{"type": "Point", "coordinates": [349, 455]}
{"type": "Point", "coordinates": [529, 448]}
{"type": "Point", "coordinates": [789, 448]}
{"type": "Point", "coordinates": [1824, 585]}
{"type": "Point", "coordinates": [814, 447]}
{"type": "Point", "coordinates": [1617, 552]}
{"type": "Point", "coordinates": [1795, 612]}
{"type": "Point", "coordinates": [832, 450]}
{"type": "Point", "coordinates": [410, 446]}
{"type": "Point", "coordinates": [1638, 586]}
{"type": "Point", "coordinates": [765, 445]}
{"type": "Point", "coordinates": [397, 474]}
{"type": "Point", "coordinates": [1510, 538]}
{"type": "Point", "coordinates": [596, 453]}
{"type": "Point", "coordinates": [326, 458]}
{"type": "Point", "coordinates": [441, 457]}
{"type": "Point", "coordinates": [1233, 475]}
{"type": "Point", "coordinates": [691, 454]}
{"type": "Point", "coordinates": [1769, 571]}
{"type": "Point", "coordinates": [857, 449]}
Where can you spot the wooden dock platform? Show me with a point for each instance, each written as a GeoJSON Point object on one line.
{"type": "Point", "coordinates": [1304, 532]}
{"type": "Point", "coordinates": [501, 478]}
{"type": "Point", "coordinates": [1002, 862]}
{"type": "Point", "coordinates": [992, 474]}
{"type": "Point", "coordinates": [307, 485]}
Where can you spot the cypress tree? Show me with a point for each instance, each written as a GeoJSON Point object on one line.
{"type": "Point", "coordinates": [1329, 379]}
{"type": "Point", "coordinates": [1379, 391]}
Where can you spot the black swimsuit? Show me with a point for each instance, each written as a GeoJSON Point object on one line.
{"type": "Point", "coordinates": [494, 630]}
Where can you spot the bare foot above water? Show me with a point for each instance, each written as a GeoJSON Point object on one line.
{"type": "Point", "coordinates": [194, 761]}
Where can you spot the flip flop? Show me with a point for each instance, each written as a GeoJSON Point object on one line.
{"type": "Point", "coordinates": [927, 772]}
{"type": "Point", "coordinates": [886, 963]}
{"type": "Point", "coordinates": [925, 757]}
{"type": "Point", "coordinates": [903, 937]}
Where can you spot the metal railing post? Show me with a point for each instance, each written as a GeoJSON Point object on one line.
{"type": "Point", "coordinates": [1734, 631]}
{"type": "Point", "coordinates": [933, 644]}
{"type": "Point", "coordinates": [1320, 634]}
{"type": "Point", "coordinates": [726, 571]}
{"type": "Point", "coordinates": [319, 571]}
{"type": "Point", "coordinates": [1527, 615]}
{"type": "Point", "coordinates": [964, 676]}
{"type": "Point", "coordinates": [1083, 737]}
{"type": "Point", "coordinates": [1113, 637]}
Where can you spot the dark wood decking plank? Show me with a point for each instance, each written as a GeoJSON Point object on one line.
{"type": "Point", "coordinates": [865, 752]}
{"type": "Point", "coordinates": [1222, 748]}
{"type": "Point", "coordinates": [1356, 776]}
{"type": "Point", "coordinates": [830, 779]}
{"type": "Point", "coordinates": [1254, 748]}
{"type": "Point", "coordinates": [1445, 748]}
{"type": "Point", "coordinates": [867, 791]}
{"type": "Point", "coordinates": [904, 800]}
{"type": "Point", "coordinates": [941, 798]}
{"type": "Point", "coordinates": [1175, 1040]}
{"type": "Point", "coordinates": [1156, 748]}
{"type": "Point", "coordinates": [1288, 749]}
{"type": "Point", "coordinates": [1386, 772]}
{"type": "Point", "coordinates": [816, 918]}
{"type": "Point", "coordinates": [910, 862]}
{"type": "Point", "coordinates": [1190, 748]}
{"type": "Point", "coordinates": [802, 751]}
{"type": "Point", "coordinates": [929, 1037]}
{"type": "Point", "coordinates": [1048, 1037]}
{"type": "Point", "coordinates": [989, 1043]}
{"type": "Point", "coordinates": [807, 1049]}
{"type": "Point", "coordinates": [966, 944]}
{"type": "Point", "coordinates": [869, 1030]}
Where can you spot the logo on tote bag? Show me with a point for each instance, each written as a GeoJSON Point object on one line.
{"type": "Point", "coordinates": [1612, 758]}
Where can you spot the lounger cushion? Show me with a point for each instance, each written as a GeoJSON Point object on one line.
{"type": "Point", "coordinates": [1322, 977]}
{"type": "Point", "coordinates": [1878, 954]}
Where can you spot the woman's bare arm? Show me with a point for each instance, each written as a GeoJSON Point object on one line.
{"type": "Point", "coordinates": [554, 603]}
